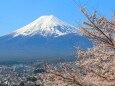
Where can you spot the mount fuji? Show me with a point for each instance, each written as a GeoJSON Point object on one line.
{"type": "Point", "coordinates": [46, 37]}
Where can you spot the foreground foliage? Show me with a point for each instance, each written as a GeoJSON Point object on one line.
{"type": "Point", "coordinates": [93, 67]}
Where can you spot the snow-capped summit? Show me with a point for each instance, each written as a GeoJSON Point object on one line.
{"type": "Point", "coordinates": [46, 38]}
{"type": "Point", "coordinates": [46, 26]}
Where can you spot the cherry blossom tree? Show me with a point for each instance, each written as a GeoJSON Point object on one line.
{"type": "Point", "coordinates": [93, 67]}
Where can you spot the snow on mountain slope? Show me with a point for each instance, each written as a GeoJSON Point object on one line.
{"type": "Point", "coordinates": [45, 38]}
{"type": "Point", "coordinates": [46, 26]}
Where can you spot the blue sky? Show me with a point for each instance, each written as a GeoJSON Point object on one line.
{"type": "Point", "coordinates": [15, 14]}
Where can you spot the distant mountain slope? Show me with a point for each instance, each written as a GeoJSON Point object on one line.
{"type": "Point", "coordinates": [46, 37]}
